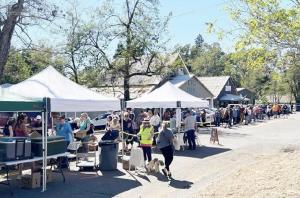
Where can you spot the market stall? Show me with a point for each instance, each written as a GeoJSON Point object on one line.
{"type": "Point", "coordinates": [11, 102]}
{"type": "Point", "coordinates": [65, 95]}
{"type": "Point", "coordinates": [168, 96]}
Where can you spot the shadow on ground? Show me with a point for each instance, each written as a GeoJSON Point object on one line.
{"type": "Point", "coordinates": [77, 185]}
{"type": "Point", "coordinates": [201, 152]}
{"type": "Point", "coordinates": [180, 184]}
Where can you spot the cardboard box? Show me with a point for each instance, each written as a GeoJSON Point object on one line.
{"type": "Point", "coordinates": [31, 181]}
{"type": "Point", "coordinates": [80, 134]}
{"type": "Point", "coordinates": [93, 147]}
{"type": "Point", "coordinates": [126, 160]}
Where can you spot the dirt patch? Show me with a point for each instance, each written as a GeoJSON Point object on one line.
{"type": "Point", "coordinates": [269, 176]}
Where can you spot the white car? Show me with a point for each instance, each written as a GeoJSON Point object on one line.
{"type": "Point", "coordinates": [100, 121]}
{"type": "Point", "coordinates": [210, 116]}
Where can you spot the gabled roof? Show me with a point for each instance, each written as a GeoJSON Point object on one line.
{"type": "Point", "coordinates": [179, 80]}
{"type": "Point", "coordinates": [167, 96]}
{"type": "Point", "coordinates": [214, 84]}
{"type": "Point", "coordinates": [162, 63]}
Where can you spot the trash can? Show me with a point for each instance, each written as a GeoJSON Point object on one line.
{"type": "Point", "coordinates": [298, 107]}
{"type": "Point", "coordinates": [109, 155]}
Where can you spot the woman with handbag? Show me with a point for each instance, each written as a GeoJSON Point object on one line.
{"type": "Point", "coordinates": [165, 144]}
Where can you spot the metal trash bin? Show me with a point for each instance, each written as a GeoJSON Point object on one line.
{"type": "Point", "coordinates": [297, 106]}
{"type": "Point", "coordinates": [109, 155]}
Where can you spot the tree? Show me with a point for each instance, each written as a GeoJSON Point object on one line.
{"type": "Point", "coordinates": [139, 30]}
{"type": "Point", "coordinates": [15, 17]}
{"type": "Point", "coordinates": [202, 58]}
{"type": "Point", "coordinates": [23, 64]}
{"type": "Point", "coordinates": [199, 41]}
{"type": "Point", "coordinates": [251, 68]}
{"type": "Point", "coordinates": [274, 26]}
{"type": "Point", "coordinates": [209, 60]}
{"type": "Point", "coordinates": [75, 47]}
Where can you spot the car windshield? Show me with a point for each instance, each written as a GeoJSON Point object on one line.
{"type": "Point", "coordinates": [103, 116]}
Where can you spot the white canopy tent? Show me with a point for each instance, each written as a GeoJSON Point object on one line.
{"type": "Point", "coordinates": [65, 95]}
{"type": "Point", "coordinates": [167, 96]}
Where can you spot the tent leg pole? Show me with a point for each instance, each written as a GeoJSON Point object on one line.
{"type": "Point", "coordinates": [43, 146]}
{"type": "Point", "coordinates": [122, 134]}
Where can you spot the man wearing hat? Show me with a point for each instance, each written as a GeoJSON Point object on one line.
{"type": "Point", "coordinates": [146, 133]}
{"type": "Point", "coordinates": [37, 125]}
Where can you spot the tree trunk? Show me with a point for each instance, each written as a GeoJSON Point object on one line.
{"type": "Point", "coordinates": [74, 68]}
{"type": "Point", "coordinates": [126, 88]}
{"type": "Point", "coordinates": [7, 32]}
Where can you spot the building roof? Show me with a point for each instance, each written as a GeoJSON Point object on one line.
{"type": "Point", "coordinates": [118, 92]}
{"type": "Point", "coordinates": [179, 80]}
{"type": "Point", "coordinates": [214, 84]}
{"type": "Point", "coordinates": [240, 89]}
{"type": "Point", "coordinates": [162, 63]}
{"type": "Point", "coordinates": [231, 97]}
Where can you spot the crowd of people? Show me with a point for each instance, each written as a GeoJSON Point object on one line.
{"type": "Point", "coordinates": [147, 128]}
{"type": "Point", "coordinates": [244, 114]}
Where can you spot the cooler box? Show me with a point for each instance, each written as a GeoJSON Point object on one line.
{"type": "Point", "coordinates": [14, 148]}
{"type": "Point", "coordinates": [55, 145]}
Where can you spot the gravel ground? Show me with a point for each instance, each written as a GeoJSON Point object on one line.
{"type": "Point", "coordinates": [268, 176]}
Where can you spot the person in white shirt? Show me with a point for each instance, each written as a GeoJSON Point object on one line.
{"type": "Point", "coordinates": [189, 129]}
{"type": "Point", "coordinates": [155, 122]}
{"type": "Point", "coordinates": [173, 122]}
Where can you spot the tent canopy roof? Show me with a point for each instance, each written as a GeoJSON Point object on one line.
{"type": "Point", "coordinates": [10, 102]}
{"type": "Point", "coordinates": [65, 95]}
{"type": "Point", "coordinates": [167, 96]}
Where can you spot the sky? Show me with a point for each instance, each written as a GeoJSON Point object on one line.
{"type": "Point", "coordinates": [189, 18]}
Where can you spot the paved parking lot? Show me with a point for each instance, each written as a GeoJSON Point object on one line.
{"type": "Point", "coordinates": [192, 171]}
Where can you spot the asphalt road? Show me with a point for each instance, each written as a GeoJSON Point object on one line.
{"type": "Point", "coordinates": [192, 171]}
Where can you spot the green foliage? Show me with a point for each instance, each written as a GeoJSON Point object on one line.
{"type": "Point", "coordinates": [204, 59]}
{"type": "Point", "coordinates": [23, 64]}
{"type": "Point", "coordinates": [269, 31]}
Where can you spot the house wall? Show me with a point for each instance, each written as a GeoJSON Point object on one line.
{"type": "Point", "coordinates": [229, 88]}
{"type": "Point", "coordinates": [195, 88]}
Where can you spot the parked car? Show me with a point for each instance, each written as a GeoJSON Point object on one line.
{"type": "Point", "coordinates": [100, 121]}
{"type": "Point", "coordinates": [210, 116]}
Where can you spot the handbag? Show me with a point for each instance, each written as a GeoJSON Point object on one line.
{"type": "Point", "coordinates": [176, 144]}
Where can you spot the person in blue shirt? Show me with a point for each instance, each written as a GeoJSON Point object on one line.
{"type": "Point", "coordinates": [64, 129]}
